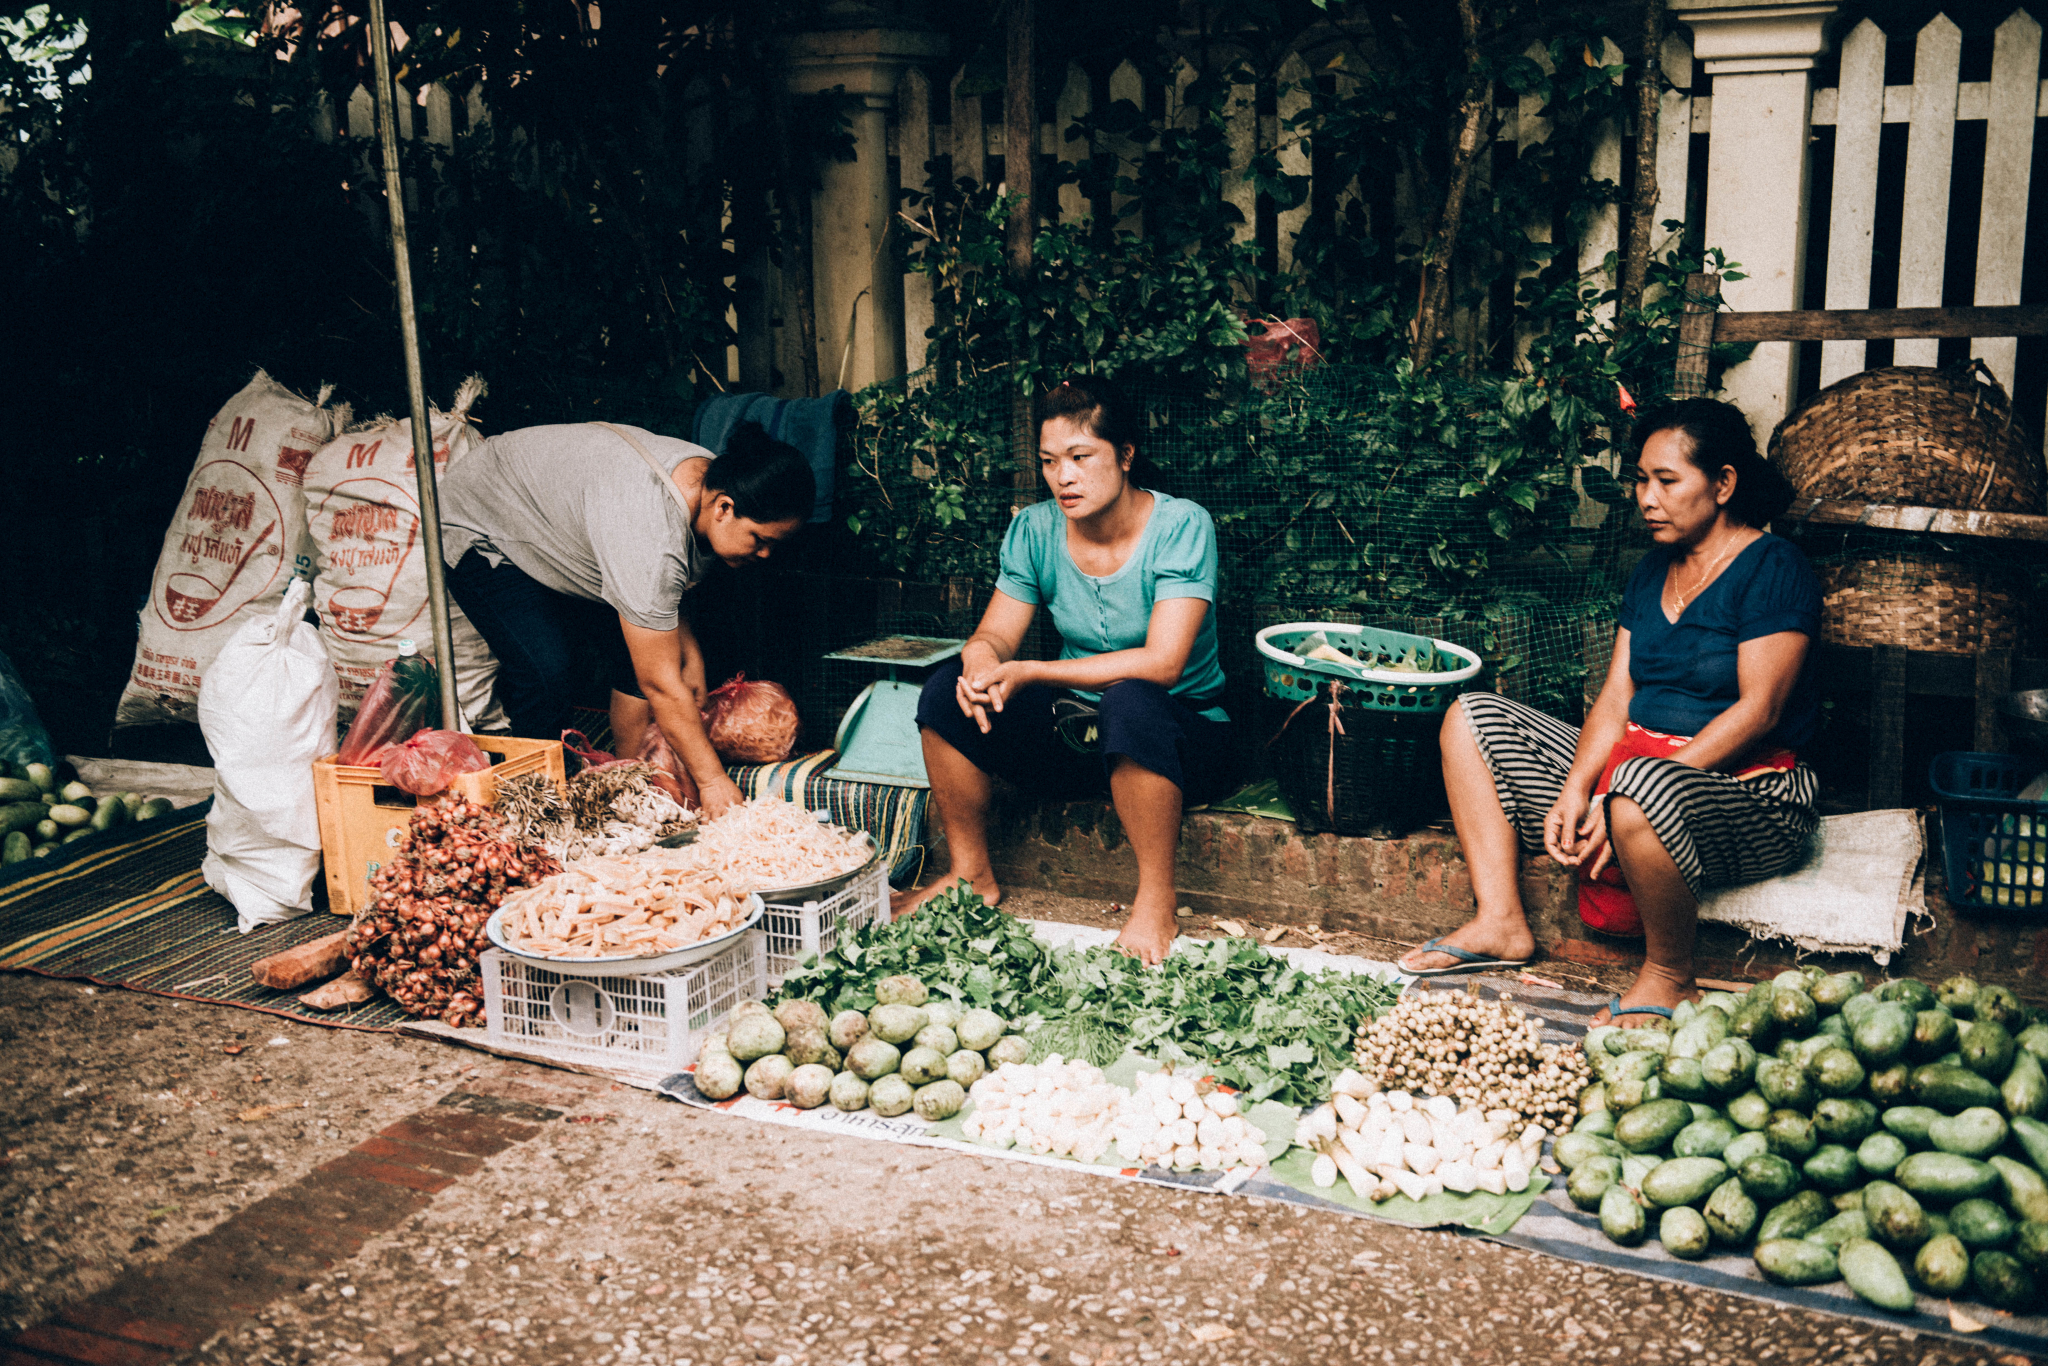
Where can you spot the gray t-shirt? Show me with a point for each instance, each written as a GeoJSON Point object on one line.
{"type": "Point", "coordinates": [577, 509]}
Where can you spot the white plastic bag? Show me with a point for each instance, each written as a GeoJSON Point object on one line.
{"type": "Point", "coordinates": [268, 709]}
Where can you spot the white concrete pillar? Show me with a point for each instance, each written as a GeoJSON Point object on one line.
{"type": "Point", "coordinates": [1761, 55]}
{"type": "Point", "coordinates": [856, 202]}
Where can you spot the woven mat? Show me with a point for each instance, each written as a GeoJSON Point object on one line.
{"type": "Point", "coordinates": [135, 914]}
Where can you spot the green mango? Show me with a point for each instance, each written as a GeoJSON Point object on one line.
{"type": "Point", "coordinates": [1728, 1066]}
{"type": "Point", "coordinates": [1589, 1181]}
{"type": "Point", "coordinates": [1848, 1200]}
{"type": "Point", "coordinates": [1910, 1123]}
{"type": "Point", "coordinates": [1785, 1085]}
{"type": "Point", "coordinates": [1958, 994]}
{"type": "Point", "coordinates": [1706, 1028]}
{"type": "Point", "coordinates": [1636, 1166]}
{"type": "Point", "coordinates": [2021, 1187]}
{"type": "Point", "coordinates": [1745, 1145]}
{"type": "Point", "coordinates": [1574, 1149]}
{"type": "Point", "coordinates": [1753, 1020]}
{"type": "Point", "coordinates": [1942, 1266]}
{"type": "Point", "coordinates": [1600, 1122]}
{"type": "Point", "coordinates": [1880, 1154]}
{"type": "Point", "coordinates": [1630, 1092]}
{"type": "Point", "coordinates": [1831, 993]}
{"type": "Point", "coordinates": [2025, 1088]}
{"type": "Point", "coordinates": [1684, 1231]}
{"type": "Point", "coordinates": [1909, 992]}
{"type": "Point", "coordinates": [1980, 1224]}
{"type": "Point", "coordinates": [1683, 1077]}
{"type": "Point", "coordinates": [1944, 1178]}
{"type": "Point", "coordinates": [1853, 1223]}
{"type": "Point", "coordinates": [1795, 1261]}
{"type": "Point", "coordinates": [2002, 1279]}
{"type": "Point", "coordinates": [1835, 1072]}
{"type": "Point", "coordinates": [1749, 1111]}
{"type": "Point", "coordinates": [1977, 1132]}
{"type": "Point", "coordinates": [1727, 1002]}
{"type": "Point", "coordinates": [2034, 1038]}
{"type": "Point", "coordinates": [1999, 1006]}
{"type": "Point", "coordinates": [1950, 1088]}
{"type": "Point", "coordinates": [1987, 1048]}
{"type": "Point", "coordinates": [1621, 1216]}
{"type": "Point", "coordinates": [1875, 1275]}
{"type": "Point", "coordinates": [1791, 979]}
{"type": "Point", "coordinates": [1592, 1097]}
{"type": "Point", "coordinates": [1844, 1121]}
{"type": "Point", "coordinates": [1631, 1066]}
{"type": "Point", "coordinates": [1857, 1009]}
{"type": "Point", "coordinates": [1796, 1217]}
{"type": "Point", "coordinates": [1791, 1135]}
{"type": "Point", "coordinates": [1597, 1039]}
{"type": "Point", "coordinates": [1833, 1169]}
{"type": "Point", "coordinates": [2030, 1243]}
{"type": "Point", "coordinates": [1701, 1110]}
{"type": "Point", "coordinates": [1684, 1181]}
{"type": "Point", "coordinates": [1891, 1085]}
{"type": "Point", "coordinates": [1934, 1033]}
{"type": "Point", "coordinates": [1880, 1040]}
{"type": "Point", "coordinates": [1704, 1138]}
{"type": "Point", "coordinates": [2032, 1136]}
{"type": "Point", "coordinates": [1895, 1215]}
{"type": "Point", "coordinates": [1768, 1179]}
{"type": "Point", "coordinates": [1833, 1027]}
{"type": "Point", "coordinates": [1731, 1214]}
{"type": "Point", "coordinates": [1794, 1010]}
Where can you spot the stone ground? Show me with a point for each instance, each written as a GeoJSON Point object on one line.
{"type": "Point", "coordinates": [180, 1181]}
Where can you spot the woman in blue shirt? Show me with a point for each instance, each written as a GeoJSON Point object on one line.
{"type": "Point", "coordinates": [1129, 574]}
{"type": "Point", "coordinates": [1686, 775]}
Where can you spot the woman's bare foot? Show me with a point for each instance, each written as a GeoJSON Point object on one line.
{"type": "Point", "coordinates": [1495, 936]}
{"type": "Point", "coordinates": [1149, 932]}
{"type": "Point", "coordinates": [907, 902]}
{"type": "Point", "coordinates": [1654, 986]}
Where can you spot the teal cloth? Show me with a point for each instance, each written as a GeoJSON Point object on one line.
{"type": "Point", "coordinates": [1175, 558]}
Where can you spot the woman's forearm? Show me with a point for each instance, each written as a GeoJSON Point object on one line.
{"type": "Point", "coordinates": [1096, 672]}
{"type": "Point", "coordinates": [675, 712]}
{"type": "Point", "coordinates": [1730, 737]}
{"type": "Point", "coordinates": [1605, 726]}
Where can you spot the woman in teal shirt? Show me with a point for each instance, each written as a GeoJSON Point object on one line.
{"type": "Point", "coordinates": [1133, 701]}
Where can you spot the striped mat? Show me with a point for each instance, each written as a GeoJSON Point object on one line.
{"type": "Point", "coordinates": [893, 816]}
{"type": "Point", "coordinates": [135, 914]}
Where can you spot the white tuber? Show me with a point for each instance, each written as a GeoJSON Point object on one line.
{"type": "Point", "coordinates": [1323, 1171]}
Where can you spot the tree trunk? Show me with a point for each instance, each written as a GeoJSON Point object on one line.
{"type": "Point", "coordinates": [793, 187]}
{"type": "Point", "coordinates": [1642, 219]}
{"type": "Point", "coordinates": [1433, 309]}
{"type": "Point", "coordinates": [1020, 145]}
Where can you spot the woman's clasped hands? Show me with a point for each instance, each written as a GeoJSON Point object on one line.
{"type": "Point", "coordinates": [1575, 832]}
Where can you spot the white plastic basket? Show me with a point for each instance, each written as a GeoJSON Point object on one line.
{"type": "Point", "coordinates": [652, 1024]}
{"type": "Point", "coordinates": [795, 931]}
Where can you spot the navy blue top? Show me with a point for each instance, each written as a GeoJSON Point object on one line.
{"type": "Point", "coordinates": [1685, 673]}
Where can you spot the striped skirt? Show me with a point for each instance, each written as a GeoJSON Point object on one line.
{"type": "Point", "coordinates": [1720, 832]}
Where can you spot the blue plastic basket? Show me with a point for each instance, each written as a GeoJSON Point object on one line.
{"type": "Point", "coordinates": [1994, 846]}
{"type": "Point", "coordinates": [1295, 679]}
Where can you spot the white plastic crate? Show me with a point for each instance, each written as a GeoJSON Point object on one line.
{"type": "Point", "coordinates": [652, 1024]}
{"type": "Point", "coordinates": [815, 926]}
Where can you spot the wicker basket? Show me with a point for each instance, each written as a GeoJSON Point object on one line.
{"type": "Point", "coordinates": [1921, 602]}
{"type": "Point", "coordinates": [1912, 434]}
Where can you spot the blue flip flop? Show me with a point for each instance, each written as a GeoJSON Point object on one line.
{"type": "Point", "coordinates": [1467, 961]}
{"type": "Point", "coordinates": [1616, 1008]}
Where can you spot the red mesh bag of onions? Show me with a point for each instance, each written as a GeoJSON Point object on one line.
{"type": "Point", "coordinates": [751, 723]}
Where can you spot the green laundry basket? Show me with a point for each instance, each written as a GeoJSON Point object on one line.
{"type": "Point", "coordinates": [1369, 683]}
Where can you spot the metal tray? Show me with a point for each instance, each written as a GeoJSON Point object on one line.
{"type": "Point", "coordinates": [626, 965]}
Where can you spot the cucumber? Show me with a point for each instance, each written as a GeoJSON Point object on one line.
{"type": "Point", "coordinates": [42, 775]}
{"type": "Point", "coordinates": [1833, 1168]}
{"type": "Point", "coordinates": [1835, 1072]}
{"type": "Point", "coordinates": [1910, 1123]}
{"type": "Point", "coordinates": [1731, 1214]}
{"type": "Point", "coordinates": [1831, 993]}
{"type": "Point", "coordinates": [74, 794]}
{"type": "Point", "coordinates": [1999, 1005]}
{"type": "Point", "coordinates": [2025, 1088]}
{"type": "Point", "coordinates": [1947, 1087]}
{"type": "Point", "coordinates": [1844, 1120]}
{"type": "Point", "coordinates": [66, 814]}
{"type": "Point", "coordinates": [1684, 1181]}
{"type": "Point", "coordinates": [1704, 1138]}
{"type": "Point", "coordinates": [1944, 1178]}
{"type": "Point", "coordinates": [1880, 1154]}
{"type": "Point", "coordinates": [1934, 1033]}
{"type": "Point", "coordinates": [1589, 1181]}
{"type": "Point", "coordinates": [1791, 1135]}
{"type": "Point", "coordinates": [1749, 1111]}
{"type": "Point", "coordinates": [2004, 1281]}
{"type": "Point", "coordinates": [109, 813]}
{"type": "Point", "coordinates": [1769, 1178]}
{"type": "Point", "coordinates": [1649, 1127]}
{"type": "Point", "coordinates": [1909, 992]}
{"type": "Point", "coordinates": [1880, 1040]}
{"type": "Point", "coordinates": [1895, 1215]}
{"type": "Point", "coordinates": [1683, 1077]}
{"type": "Point", "coordinates": [2022, 1188]}
{"type": "Point", "coordinates": [153, 808]}
{"type": "Point", "coordinates": [1874, 1274]}
{"type": "Point", "coordinates": [1621, 1216]}
{"type": "Point", "coordinates": [1573, 1149]}
{"type": "Point", "coordinates": [1795, 1261]}
{"type": "Point", "coordinates": [2030, 1243]}
{"type": "Point", "coordinates": [16, 847]}
{"type": "Point", "coordinates": [1684, 1232]}
{"type": "Point", "coordinates": [21, 816]}
{"type": "Point", "coordinates": [1987, 1048]}
{"type": "Point", "coordinates": [1796, 1217]}
{"type": "Point", "coordinates": [1852, 1223]}
{"type": "Point", "coordinates": [1977, 1132]}
{"type": "Point", "coordinates": [1980, 1224]}
{"type": "Point", "coordinates": [1942, 1266]}
{"type": "Point", "coordinates": [1958, 994]}
{"type": "Point", "coordinates": [2032, 1136]}
{"type": "Point", "coordinates": [1600, 1123]}
{"type": "Point", "coordinates": [19, 790]}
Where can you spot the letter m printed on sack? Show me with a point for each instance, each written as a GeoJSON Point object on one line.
{"type": "Point", "coordinates": [240, 429]}
{"type": "Point", "coordinates": [361, 455]}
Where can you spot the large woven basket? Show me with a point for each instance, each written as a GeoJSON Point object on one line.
{"type": "Point", "coordinates": [1912, 434]}
{"type": "Point", "coordinates": [1920, 602]}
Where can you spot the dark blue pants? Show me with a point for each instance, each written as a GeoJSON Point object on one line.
{"type": "Point", "coordinates": [1141, 721]}
{"type": "Point", "coordinates": [553, 650]}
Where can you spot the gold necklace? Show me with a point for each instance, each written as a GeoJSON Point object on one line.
{"type": "Point", "coordinates": [1701, 582]}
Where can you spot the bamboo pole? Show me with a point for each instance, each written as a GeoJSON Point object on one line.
{"type": "Point", "coordinates": [415, 386]}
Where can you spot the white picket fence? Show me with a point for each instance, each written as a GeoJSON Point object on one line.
{"type": "Point", "coordinates": [2010, 103]}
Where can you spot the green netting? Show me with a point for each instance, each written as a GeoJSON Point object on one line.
{"type": "Point", "coordinates": [1331, 503]}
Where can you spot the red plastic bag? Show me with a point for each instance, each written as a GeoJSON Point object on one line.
{"type": "Point", "coordinates": [669, 774]}
{"type": "Point", "coordinates": [751, 723]}
{"type": "Point", "coordinates": [1285, 344]}
{"type": "Point", "coordinates": [405, 693]}
{"type": "Point", "coordinates": [431, 760]}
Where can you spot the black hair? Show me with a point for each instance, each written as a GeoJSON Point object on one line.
{"type": "Point", "coordinates": [1718, 437]}
{"type": "Point", "coordinates": [767, 480]}
{"type": "Point", "coordinates": [1101, 406]}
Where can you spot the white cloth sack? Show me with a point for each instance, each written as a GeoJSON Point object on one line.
{"type": "Point", "coordinates": [268, 708]}
{"type": "Point", "coordinates": [1862, 882]}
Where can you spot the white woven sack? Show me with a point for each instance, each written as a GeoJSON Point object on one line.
{"type": "Point", "coordinates": [237, 538]}
{"type": "Point", "coordinates": [363, 512]}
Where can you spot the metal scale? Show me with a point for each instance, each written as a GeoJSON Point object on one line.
{"type": "Point", "coordinates": [877, 738]}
